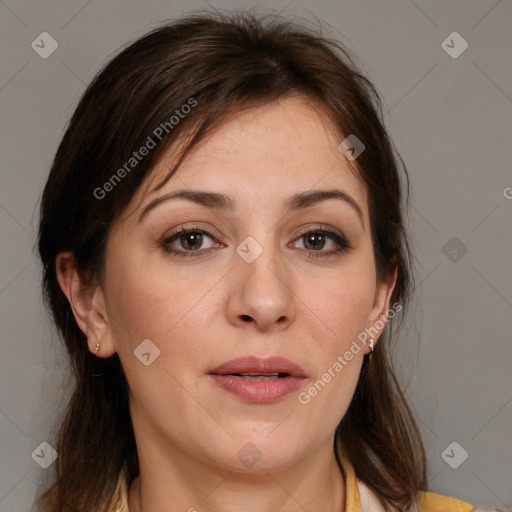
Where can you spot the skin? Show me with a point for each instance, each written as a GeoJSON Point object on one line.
{"type": "Point", "coordinates": [201, 311]}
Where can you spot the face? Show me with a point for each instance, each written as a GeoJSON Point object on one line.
{"type": "Point", "coordinates": [257, 275]}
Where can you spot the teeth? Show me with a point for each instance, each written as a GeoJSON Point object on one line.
{"type": "Point", "coordinates": [258, 377]}
{"type": "Point", "coordinates": [257, 374]}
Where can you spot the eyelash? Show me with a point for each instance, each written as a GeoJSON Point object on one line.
{"type": "Point", "coordinates": [342, 243]}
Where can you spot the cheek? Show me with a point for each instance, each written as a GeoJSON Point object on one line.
{"type": "Point", "coordinates": [345, 305]}
{"type": "Point", "coordinates": [150, 298]}
{"type": "Point", "coordinates": [338, 359]}
{"type": "Point", "coordinates": [165, 307]}
{"type": "Point", "coordinates": [172, 307]}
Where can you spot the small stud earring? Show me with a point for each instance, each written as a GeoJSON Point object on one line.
{"type": "Point", "coordinates": [97, 347]}
{"type": "Point", "coordinates": [371, 344]}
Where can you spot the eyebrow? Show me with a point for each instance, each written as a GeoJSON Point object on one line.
{"type": "Point", "coordinates": [218, 201]}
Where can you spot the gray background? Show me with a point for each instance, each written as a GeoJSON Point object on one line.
{"type": "Point", "coordinates": [451, 121]}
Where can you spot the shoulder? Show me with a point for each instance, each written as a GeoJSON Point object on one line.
{"type": "Point", "coordinates": [432, 502]}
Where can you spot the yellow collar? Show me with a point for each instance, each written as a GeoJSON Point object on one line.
{"type": "Point", "coordinates": [358, 496]}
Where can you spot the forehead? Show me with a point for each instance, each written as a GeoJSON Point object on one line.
{"type": "Point", "coordinates": [260, 154]}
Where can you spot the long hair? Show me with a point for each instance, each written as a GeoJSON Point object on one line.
{"type": "Point", "coordinates": [217, 63]}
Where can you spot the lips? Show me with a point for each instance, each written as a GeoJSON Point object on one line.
{"type": "Point", "coordinates": [259, 380]}
{"type": "Point", "coordinates": [278, 366]}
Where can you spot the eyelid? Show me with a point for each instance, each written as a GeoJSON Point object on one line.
{"type": "Point", "coordinates": [209, 231]}
{"type": "Point", "coordinates": [320, 227]}
{"type": "Point", "coordinates": [336, 234]}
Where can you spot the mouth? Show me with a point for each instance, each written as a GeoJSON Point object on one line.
{"type": "Point", "coordinates": [259, 380]}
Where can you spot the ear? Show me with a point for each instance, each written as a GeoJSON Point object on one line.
{"type": "Point", "coordinates": [87, 304]}
{"type": "Point", "coordinates": [380, 310]}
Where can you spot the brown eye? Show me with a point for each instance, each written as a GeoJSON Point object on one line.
{"type": "Point", "coordinates": [188, 242]}
{"type": "Point", "coordinates": [192, 240]}
{"type": "Point", "coordinates": [314, 241]}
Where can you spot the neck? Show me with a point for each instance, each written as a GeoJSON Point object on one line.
{"type": "Point", "coordinates": [168, 484]}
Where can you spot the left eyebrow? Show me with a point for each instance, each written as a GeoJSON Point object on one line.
{"type": "Point", "coordinates": [218, 201]}
{"type": "Point", "coordinates": [201, 197]}
{"type": "Point", "coordinates": [310, 198]}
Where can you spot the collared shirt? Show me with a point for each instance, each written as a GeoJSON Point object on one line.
{"type": "Point", "coordinates": [359, 497]}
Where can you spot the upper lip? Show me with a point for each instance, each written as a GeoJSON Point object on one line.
{"type": "Point", "coordinates": [259, 366]}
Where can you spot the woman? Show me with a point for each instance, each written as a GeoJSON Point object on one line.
{"type": "Point", "coordinates": [224, 254]}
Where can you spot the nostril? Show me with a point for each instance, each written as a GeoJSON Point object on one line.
{"type": "Point", "coordinates": [246, 318]}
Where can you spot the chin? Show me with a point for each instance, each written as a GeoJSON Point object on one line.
{"type": "Point", "coordinates": [256, 453]}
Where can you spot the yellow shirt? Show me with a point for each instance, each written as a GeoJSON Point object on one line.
{"type": "Point", "coordinates": [359, 497]}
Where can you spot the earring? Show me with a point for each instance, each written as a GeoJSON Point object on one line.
{"type": "Point", "coordinates": [97, 347]}
{"type": "Point", "coordinates": [371, 348]}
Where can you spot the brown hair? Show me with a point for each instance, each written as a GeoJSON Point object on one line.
{"type": "Point", "coordinates": [225, 62]}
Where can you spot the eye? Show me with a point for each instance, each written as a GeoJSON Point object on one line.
{"type": "Point", "coordinates": [316, 240]}
{"type": "Point", "coordinates": [191, 241]}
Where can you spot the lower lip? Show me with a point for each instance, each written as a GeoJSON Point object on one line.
{"type": "Point", "coordinates": [258, 391]}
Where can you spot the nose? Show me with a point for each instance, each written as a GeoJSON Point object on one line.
{"type": "Point", "coordinates": [262, 293]}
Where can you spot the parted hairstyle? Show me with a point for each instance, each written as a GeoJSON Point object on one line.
{"type": "Point", "coordinates": [218, 63]}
